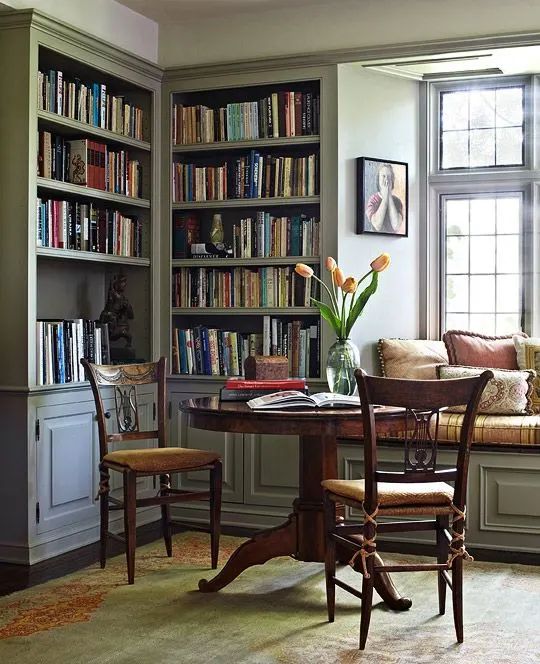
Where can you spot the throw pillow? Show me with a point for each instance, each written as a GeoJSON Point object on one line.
{"type": "Point", "coordinates": [478, 350]}
{"type": "Point", "coordinates": [507, 393]}
{"type": "Point", "coordinates": [411, 358]}
{"type": "Point", "coordinates": [528, 357]}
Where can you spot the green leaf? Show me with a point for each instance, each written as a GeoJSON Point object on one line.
{"type": "Point", "coordinates": [328, 315]}
{"type": "Point", "coordinates": [361, 302]}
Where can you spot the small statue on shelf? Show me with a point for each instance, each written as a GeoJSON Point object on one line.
{"type": "Point", "coordinates": [117, 313]}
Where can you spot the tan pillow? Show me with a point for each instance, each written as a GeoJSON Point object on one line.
{"type": "Point", "coordinates": [528, 357]}
{"type": "Point", "coordinates": [411, 358]}
{"type": "Point", "coordinates": [507, 393]}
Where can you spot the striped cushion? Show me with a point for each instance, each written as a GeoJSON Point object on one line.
{"type": "Point", "coordinates": [493, 429]}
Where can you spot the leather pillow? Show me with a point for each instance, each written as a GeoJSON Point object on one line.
{"type": "Point", "coordinates": [507, 393]}
{"type": "Point", "coordinates": [411, 358]}
{"type": "Point", "coordinates": [478, 350]}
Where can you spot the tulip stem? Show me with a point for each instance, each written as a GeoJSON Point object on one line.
{"type": "Point", "coordinates": [333, 300]}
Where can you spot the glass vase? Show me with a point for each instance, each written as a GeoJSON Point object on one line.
{"type": "Point", "coordinates": [343, 359]}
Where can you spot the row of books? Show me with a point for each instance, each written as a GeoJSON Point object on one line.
{"type": "Point", "coordinates": [85, 227]}
{"type": "Point", "coordinates": [267, 236]}
{"type": "Point", "coordinates": [284, 113]}
{"type": "Point", "coordinates": [88, 102]}
{"type": "Point", "coordinates": [251, 176]}
{"type": "Point", "coordinates": [214, 352]}
{"type": "Point", "coordinates": [88, 163]}
{"type": "Point", "coordinates": [241, 287]}
{"type": "Point", "coordinates": [61, 344]}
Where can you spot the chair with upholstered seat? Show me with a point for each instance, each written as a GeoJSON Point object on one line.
{"type": "Point", "coordinates": [420, 489]}
{"type": "Point", "coordinates": [162, 461]}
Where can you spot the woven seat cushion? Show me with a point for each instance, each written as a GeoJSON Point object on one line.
{"type": "Point", "coordinates": [400, 494]}
{"type": "Point", "coordinates": [163, 459]}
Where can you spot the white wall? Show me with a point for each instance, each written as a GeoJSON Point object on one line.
{"type": "Point", "coordinates": [340, 24]}
{"type": "Point", "coordinates": [378, 117]}
{"type": "Point", "coordinates": [105, 19]}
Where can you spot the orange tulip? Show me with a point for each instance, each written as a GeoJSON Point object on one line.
{"type": "Point", "coordinates": [330, 264]}
{"type": "Point", "coordinates": [350, 285]}
{"type": "Point", "coordinates": [303, 270]}
{"type": "Point", "coordinates": [338, 277]}
{"type": "Point", "coordinates": [380, 263]}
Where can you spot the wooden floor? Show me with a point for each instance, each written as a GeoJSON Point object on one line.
{"type": "Point", "coordinates": [18, 577]}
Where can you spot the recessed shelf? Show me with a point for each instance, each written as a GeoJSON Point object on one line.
{"type": "Point", "coordinates": [234, 262]}
{"type": "Point", "coordinates": [254, 143]}
{"type": "Point", "coordinates": [89, 192]}
{"type": "Point", "coordinates": [249, 202]}
{"type": "Point", "coordinates": [245, 311]}
{"type": "Point", "coordinates": [76, 127]}
{"type": "Point", "coordinates": [94, 256]}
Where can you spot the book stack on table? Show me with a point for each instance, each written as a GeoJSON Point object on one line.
{"type": "Point", "coordinates": [240, 389]}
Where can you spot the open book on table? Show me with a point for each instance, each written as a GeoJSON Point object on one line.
{"type": "Point", "coordinates": [296, 399]}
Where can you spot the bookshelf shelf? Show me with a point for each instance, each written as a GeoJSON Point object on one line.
{"type": "Point", "coordinates": [68, 126]}
{"type": "Point", "coordinates": [233, 262]}
{"type": "Point", "coordinates": [93, 256]}
{"type": "Point", "coordinates": [245, 311]}
{"type": "Point", "coordinates": [282, 141]}
{"type": "Point", "coordinates": [88, 192]}
{"type": "Point", "coordinates": [249, 203]}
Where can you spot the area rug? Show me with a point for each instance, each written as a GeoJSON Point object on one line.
{"type": "Point", "coordinates": [271, 614]}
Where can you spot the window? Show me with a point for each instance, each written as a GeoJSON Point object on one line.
{"type": "Point", "coordinates": [482, 185]}
{"type": "Point", "coordinates": [482, 237]}
{"type": "Point", "coordinates": [482, 127]}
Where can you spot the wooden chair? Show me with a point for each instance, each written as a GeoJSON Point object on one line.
{"type": "Point", "coordinates": [419, 490]}
{"type": "Point", "coordinates": [145, 462]}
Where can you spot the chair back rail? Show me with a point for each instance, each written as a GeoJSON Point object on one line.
{"type": "Point", "coordinates": [423, 399]}
{"type": "Point", "coordinates": [124, 379]}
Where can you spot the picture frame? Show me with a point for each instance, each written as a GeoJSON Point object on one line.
{"type": "Point", "coordinates": [380, 180]}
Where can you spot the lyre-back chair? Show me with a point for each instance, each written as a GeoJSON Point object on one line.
{"type": "Point", "coordinates": [420, 489]}
{"type": "Point", "coordinates": [159, 461]}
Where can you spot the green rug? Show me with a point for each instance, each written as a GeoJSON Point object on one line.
{"type": "Point", "coordinates": [275, 613]}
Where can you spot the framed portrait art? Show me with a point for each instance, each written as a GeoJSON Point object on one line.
{"type": "Point", "coordinates": [382, 197]}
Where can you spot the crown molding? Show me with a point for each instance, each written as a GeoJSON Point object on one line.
{"type": "Point", "coordinates": [33, 18]}
{"type": "Point", "coordinates": [342, 56]}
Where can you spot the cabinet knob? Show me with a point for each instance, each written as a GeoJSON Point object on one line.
{"type": "Point", "coordinates": [108, 415]}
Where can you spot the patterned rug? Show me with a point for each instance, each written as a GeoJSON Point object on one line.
{"type": "Point", "coordinates": [271, 614]}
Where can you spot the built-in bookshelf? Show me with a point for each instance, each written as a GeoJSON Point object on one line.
{"type": "Point", "coordinates": [245, 208]}
{"type": "Point", "coordinates": [93, 212]}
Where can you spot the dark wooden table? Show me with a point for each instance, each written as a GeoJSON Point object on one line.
{"type": "Point", "coordinates": [302, 535]}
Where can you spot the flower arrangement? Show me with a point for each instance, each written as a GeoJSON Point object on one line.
{"type": "Point", "coordinates": [343, 311]}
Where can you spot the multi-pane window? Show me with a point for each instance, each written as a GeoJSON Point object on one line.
{"type": "Point", "coordinates": [483, 266]}
{"type": "Point", "coordinates": [482, 127]}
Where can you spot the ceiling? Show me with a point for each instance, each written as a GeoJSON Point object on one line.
{"type": "Point", "coordinates": [179, 11]}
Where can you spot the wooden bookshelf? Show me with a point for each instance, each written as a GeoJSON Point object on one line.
{"type": "Point", "coordinates": [92, 256]}
{"type": "Point", "coordinates": [282, 141]}
{"type": "Point", "coordinates": [80, 191]}
{"type": "Point", "coordinates": [249, 203]}
{"type": "Point", "coordinates": [239, 262]}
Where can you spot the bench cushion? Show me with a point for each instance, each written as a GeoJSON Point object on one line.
{"type": "Point", "coordinates": [493, 429]}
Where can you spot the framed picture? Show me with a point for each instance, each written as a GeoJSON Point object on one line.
{"type": "Point", "coordinates": [382, 197]}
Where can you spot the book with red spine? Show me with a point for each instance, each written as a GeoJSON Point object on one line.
{"type": "Point", "coordinates": [284, 384]}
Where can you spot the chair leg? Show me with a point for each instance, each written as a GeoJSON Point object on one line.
{"type": "Point", "coordinates": [165, 483]}
{"type": "Point", "coordinates": [130, 522]}
{"type": "Point", "coordinates": [442, 557]}
{"type": "Point", "coordinates": [330, 555]}
{"type": "Point", "coordinates": [104, 514]}
{"type": "Point", "coordinates": [215, 511]}
{"type": "Point", "coordinates": [367, 601]}
{"type": "Point", "coordinates": [457, 596]}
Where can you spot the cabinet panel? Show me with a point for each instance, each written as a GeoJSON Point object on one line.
{"type": "Point", "coordinates": [67, 454]}
{"type": "Point", "coordinates": [271, 469]}
{"type": "Point", "coordinates": [229, 445]}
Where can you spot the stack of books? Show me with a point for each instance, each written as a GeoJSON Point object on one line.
{"type": "Point", "coordinates": [240, 389]}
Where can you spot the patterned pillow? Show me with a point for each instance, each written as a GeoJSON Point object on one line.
{"type": "Point", "coordinates": [478, 350]}
{"type": "Point", "coordinates": [507, 393]}
{"type": "Point", "coordinates": [411, 358]}
{"type": "Point", "coordinates": [528, 357]}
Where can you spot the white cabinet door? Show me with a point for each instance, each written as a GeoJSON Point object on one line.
{"type": "Point", "coordinates": [229, 445]}
{"type": "Point", "coordinates": [67, 453]}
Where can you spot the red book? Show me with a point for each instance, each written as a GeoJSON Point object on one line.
{"type": "Point", "coordinates": [285, 384]}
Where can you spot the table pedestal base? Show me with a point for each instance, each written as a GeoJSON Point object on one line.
{"type": "Point", "coordinates": [283, 541]}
